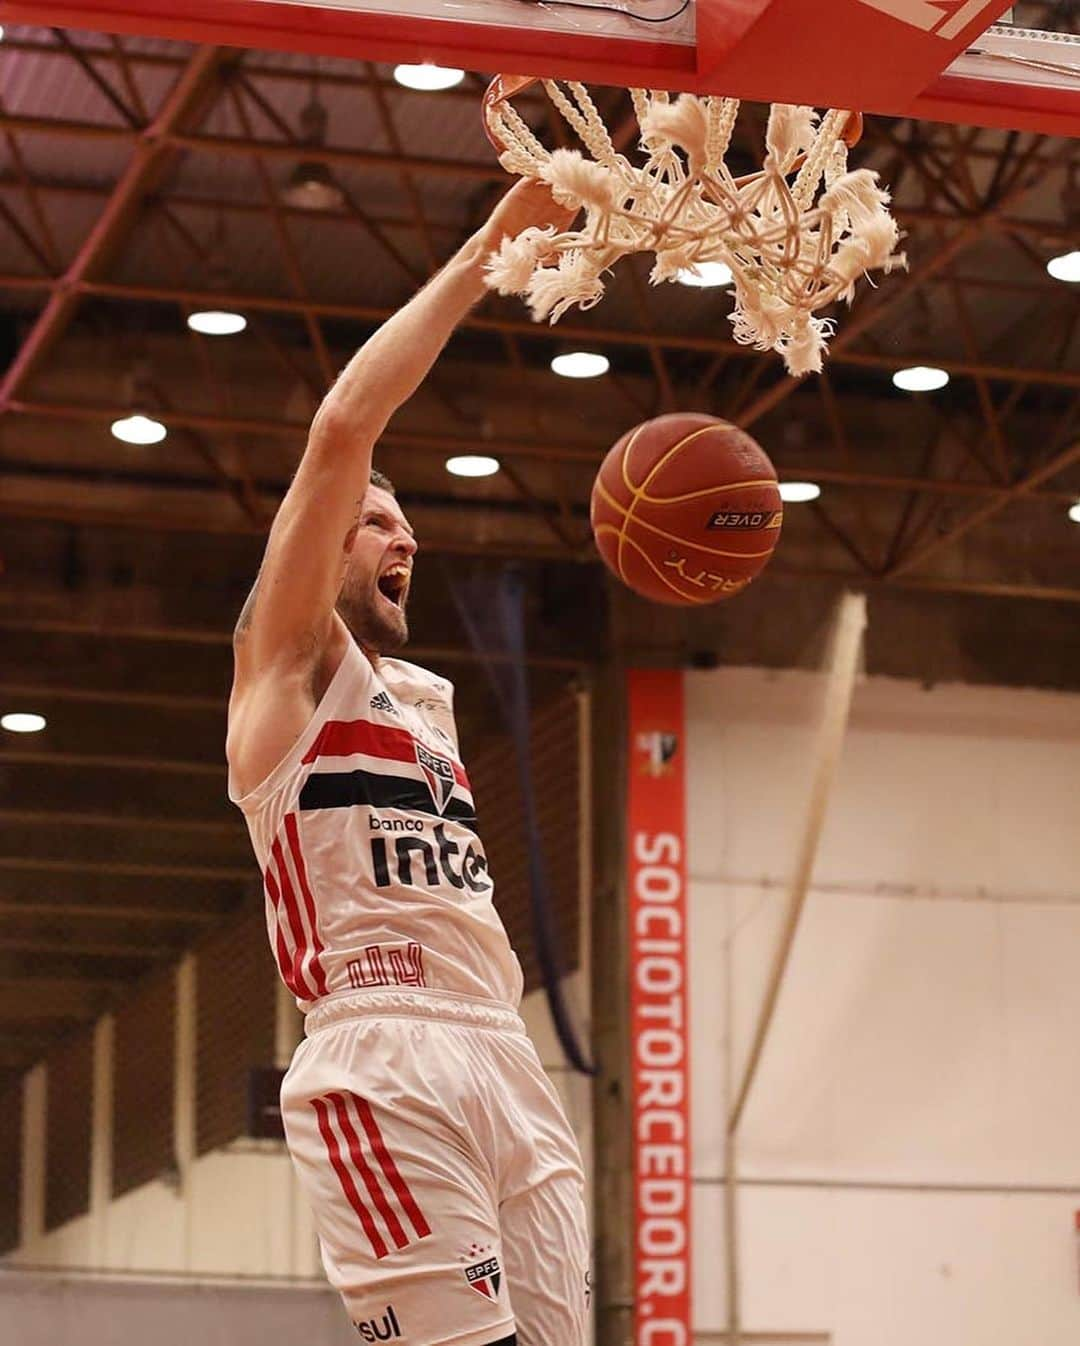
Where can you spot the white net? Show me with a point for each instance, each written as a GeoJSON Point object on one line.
{"type": "Point", "coordinates": [797, 235]}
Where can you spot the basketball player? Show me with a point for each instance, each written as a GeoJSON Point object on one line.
{"type": "Point", "coordinates": [444, 1178]}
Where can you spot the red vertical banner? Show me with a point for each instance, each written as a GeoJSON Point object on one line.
{"type": "Point", "coordinates": [660, 1024]}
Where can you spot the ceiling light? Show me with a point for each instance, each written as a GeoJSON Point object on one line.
{"type": "Point", "coordinates": [1074, 512]}
{"type": "Point", "coordinates": [22, 722]}
{"type": "Point", "coordinates": [705, 275]}
{"type": "Point", "coordinates": [581, 364]}
{"type": "Point", "coordinates": [1065, 267]}
{"type": "Point", "coordinates": [920, 379]}
{"type": "Point", "coordinates": [1, 32]}
{"type": "Point", "coordinates": [216, 322]}
{"type": "Point", "coordinates": [799, 492]}
{"type": "Point", "coordinates": [139, 429]}
{"type": "Point", "coordinates": [311, 186]}
{"type": "Point", "coordinates": [472, 465]}
{"type": "Point", "coordinates": [429, 78]}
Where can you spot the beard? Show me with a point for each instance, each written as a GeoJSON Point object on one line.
{"type": "Point", "coordinates": [374, 622]}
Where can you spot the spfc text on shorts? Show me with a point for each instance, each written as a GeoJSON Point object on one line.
{"type": "Point", "coordinates": [485, 1277]}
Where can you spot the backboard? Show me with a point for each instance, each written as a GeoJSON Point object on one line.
{"type": "Point", "coordinates": [949, 60]}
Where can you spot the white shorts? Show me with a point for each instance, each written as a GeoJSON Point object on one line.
{"type": "Point", "coordinates": [445, 1180]}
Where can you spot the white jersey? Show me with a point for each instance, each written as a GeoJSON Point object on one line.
{"type": "Point", "coordinates": [365, 833]}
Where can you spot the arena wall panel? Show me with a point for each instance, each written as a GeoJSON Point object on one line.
{"type": "Point", "coordinates": [143, 1084]}
{"type": "Point", "coordinates": [11, 1113]}
{"type": "Point", "coordinates": [62, 1309]}
{"type": "Point", "coordinates": [67, 1130]}
{"type": "Point", "coordinates": [493, 773]}
{"type": "Point", "coordinates": [240, 1211]}
{"type": "Point", "coordinates": [235, 1010]}
{"type": "Point", "coordinates": [907, 1160]}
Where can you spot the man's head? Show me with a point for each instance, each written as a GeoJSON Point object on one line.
{"type": "Point", "coordinates": [379, 557]}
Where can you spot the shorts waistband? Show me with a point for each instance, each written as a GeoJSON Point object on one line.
{"type": "Point", "coordinates": [470, 1011]}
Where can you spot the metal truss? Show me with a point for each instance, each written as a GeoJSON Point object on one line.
{"type": "Point", "coordinates": [956, 190]}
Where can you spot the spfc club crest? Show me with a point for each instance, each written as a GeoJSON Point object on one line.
{"type": "Point", "coordinates": [439, 774]}
{"type": "Point", "coordinates": [485, 1277]}
{"type": "Point", "coordinates": [657, 750]}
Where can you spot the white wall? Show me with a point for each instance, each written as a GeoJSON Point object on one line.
{"type": "Point", "coordinates": [239, 1211]}
{"type": "Point", "coordinates": [72, 1309]}
{"type": "Point", "coordinates": [910, 1156]}
{"type": "Point", "coordinates": [239, 1215]}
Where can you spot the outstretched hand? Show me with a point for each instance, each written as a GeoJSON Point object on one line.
{"type": "Point", "coordinates": [528, 203]}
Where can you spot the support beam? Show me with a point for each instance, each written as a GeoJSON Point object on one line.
{"type": "Point", "coordinates": [931, 584]}
{"type": "Point", "coordinates": [40, 999]}
{"type": "Point", "coordinates": [55, 944]}
{"type": "Point", "coordinates": [870, 314]}
{"type": "Point", "coordinates": [270, 150]}
{"type": "Point", "coordinates": [112, 696]}
{"type": "Point", "coordinates": [442, 654]}
{"type": "Point", "coordinates": [151, 148]}
{"type": "Point", "coordinates": [32, 1159]}
{"type": "Point", "coordinates": [185, 1056]}
{"type": "Point", "coordinates": [297, 430]}
{"type": "Point", "coordinates": [454, 526]}
{"type": "Point", "coordinates": [589, 455]}
{"type": "Point", "coordinates": [846, 655]}
{"type": "Point", "coordinates": [183, 915]}
{"type": "Point", "coordinates": [20, 1049]}
{"type": "Point", "coordinates": [613, 1192]}
{"type": "Point", "coordinates": [101, 1138]}
{"type": "Point", "coordinates": [166, 60]}
{"type": "Point", "coordinates": [16, 864]}
{"type": "Point", "coordinates": [105, 761]}
{"type": "Point", "coordinates": [840, 353]}
{"type": "Point", "coordinates": [1065, 459]}
{"type": "Point", "coordinates": [121, 822]}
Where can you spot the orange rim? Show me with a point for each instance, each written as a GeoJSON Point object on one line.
{"type": "Point", "coordinates": [500, 90]}
{"type": "Point", "coordinates": [850, 135]}
{"type": "Point", "coordinates": [853, 129]}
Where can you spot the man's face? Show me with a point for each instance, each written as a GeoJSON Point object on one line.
{"type": "Point", "coordinates": [378, 574]}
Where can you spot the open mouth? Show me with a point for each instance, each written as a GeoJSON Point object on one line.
{"type": "Point", "coordinates": [394, 584]}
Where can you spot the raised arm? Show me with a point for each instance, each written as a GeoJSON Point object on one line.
{"type": "Point", "coordinates": [289, 616]}
{"type": "Point", "coordinates": [289, 612]}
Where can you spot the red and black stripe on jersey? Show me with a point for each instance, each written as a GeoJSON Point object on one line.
{"type": "Point", "coordinates": [376, 788]}
{"type": "Point", "coordinates": [344, 789]}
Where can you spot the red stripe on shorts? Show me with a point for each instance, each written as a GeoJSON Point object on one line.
{"type": "Point", "coordinates": [371, 1182]}
{"type": "Point", "coordinates": [390, 1169]}
{"type": "Point", "coordinates": [292, 831]}
{"type": "Point", "coordinates": [348, 1187]}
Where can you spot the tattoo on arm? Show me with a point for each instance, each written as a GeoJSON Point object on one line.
{"type": "Point", "coordinates": [247, 612]}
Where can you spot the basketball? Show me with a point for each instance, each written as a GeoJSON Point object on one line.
{"type": "Point", "coordinates": [686, 509]}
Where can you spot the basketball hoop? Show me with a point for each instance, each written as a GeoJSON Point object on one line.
{"type": "Point", "coordinates": [797, 235]}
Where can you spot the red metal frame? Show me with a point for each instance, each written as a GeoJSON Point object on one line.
{"type": "Point", "coordinates": [984, 102]}
{"type": "Point", "coordinates": [762, 49]}
{"type": "Point", "coordinates": [382, 37]}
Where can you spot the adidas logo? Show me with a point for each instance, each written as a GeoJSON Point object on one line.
{"type": "Point", "coordinates": [381, 701]}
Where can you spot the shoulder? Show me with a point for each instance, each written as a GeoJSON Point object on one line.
{"type": "Point", "coordinates": [411, 678]}
{"type": "Point", "coordinates": [276, 714]}
{"type": "Point", "coordinates": [429, 694]}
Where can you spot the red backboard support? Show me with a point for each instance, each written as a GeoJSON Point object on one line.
{"type": "Point", "coordinates": [886, 56]}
